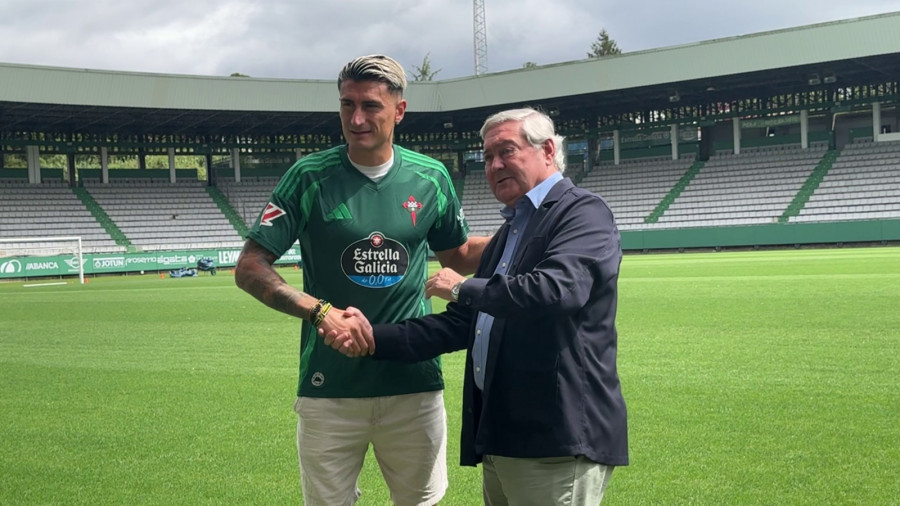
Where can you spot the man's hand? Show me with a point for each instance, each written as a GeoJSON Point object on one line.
{"type": "Point", "coordinates": [348, 331]}
{"type": "Point", "coordinates": [441, 282]}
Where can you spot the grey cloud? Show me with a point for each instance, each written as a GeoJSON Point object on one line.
{"type": "Point", "coordinates": [312, 39]}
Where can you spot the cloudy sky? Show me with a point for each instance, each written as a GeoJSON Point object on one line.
{"type": "Point", "coordinates": [312, 39]}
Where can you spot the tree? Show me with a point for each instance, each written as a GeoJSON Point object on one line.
{"type": "Point", "coordinates": [423, 72]}
{"type": "Point", "coordinates": [604, 46]}
{"type": "Point", "coordinates": [237, 74]}
{"type": "Point", "coordinates": [529, 65]}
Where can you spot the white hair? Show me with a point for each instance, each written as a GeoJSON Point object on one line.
{"type": "Point", "coordinates": [536, 127]}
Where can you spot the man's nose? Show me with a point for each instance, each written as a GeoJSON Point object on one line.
{"type": "Point", "coordinates": [495, 164]}
{"type": "Point", "coordinates": [357, 118]}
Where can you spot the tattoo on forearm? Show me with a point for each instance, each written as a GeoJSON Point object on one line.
{"type": "Point", "coordinates": [272, 290]}
{"type": "Point", "coordinates": [257, 276]}
{"type": "Point", "coordinates": [286, 301]}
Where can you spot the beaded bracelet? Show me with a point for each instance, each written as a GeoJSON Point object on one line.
{"type": "Point", "coordinates": [314, 312]}
{"type": "Point", "coordinates": [320, 317]}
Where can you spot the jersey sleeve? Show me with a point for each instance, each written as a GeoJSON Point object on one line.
{"type": "Point", "coordinates": [282, 219]}
{"type": "Point", "coordinates": [450, 229]}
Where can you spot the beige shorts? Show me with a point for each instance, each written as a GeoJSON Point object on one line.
{"type": "Point", "coordinates": [408, 434]}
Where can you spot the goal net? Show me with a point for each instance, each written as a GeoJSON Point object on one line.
{"type": "Point", "coordinates": [33, 257]}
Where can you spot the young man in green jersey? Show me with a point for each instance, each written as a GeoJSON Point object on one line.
{"type": "Point", "coordinates": [365, 214]}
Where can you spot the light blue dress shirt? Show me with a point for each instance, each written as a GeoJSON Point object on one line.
{"type": "Point", "coordinates": [518, 218]}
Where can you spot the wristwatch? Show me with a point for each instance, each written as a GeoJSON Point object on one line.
{"type": "Point", "coordinates": [454, 292]}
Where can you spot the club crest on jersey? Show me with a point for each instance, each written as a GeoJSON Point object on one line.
{"type": "Point", "coordinates": [270, 213]}
{"type": "Point", "coordinates": [375, 262]}
{"type": "Point", "coordinates": [412, 207]}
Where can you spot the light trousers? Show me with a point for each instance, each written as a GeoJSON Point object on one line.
{"type": "Point", "coordinates": [559, 481]}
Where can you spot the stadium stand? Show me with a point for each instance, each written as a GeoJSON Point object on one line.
{"type": "Point", "coordinates": [753, 187]}
{"type": "Point", "coordinates": [50, 209]}
{"type": "Point", "coordinates": [478, 202]}
{"type": "Point", "coordinates": [862, 184]}
{"type": "Point", "coordinates": [249, 196]}
{"type": "Point", "coordinates": [158, 215]}
{"type": "Point", "coordinates": [635, 187]}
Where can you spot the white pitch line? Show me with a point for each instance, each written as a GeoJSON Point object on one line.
{"type": "Point", "coordinates": [45, 284]}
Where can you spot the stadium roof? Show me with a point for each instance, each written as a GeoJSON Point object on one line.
{"type": "Point", "coordinates": [855, 52]}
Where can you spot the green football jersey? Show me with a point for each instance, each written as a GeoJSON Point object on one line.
{"type": "Point", "coordinates": [363, 244]}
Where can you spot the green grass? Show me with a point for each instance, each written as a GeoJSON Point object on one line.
{"type": "Point", "coordinates": [751, 378]}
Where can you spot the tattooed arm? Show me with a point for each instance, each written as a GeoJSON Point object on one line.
{"type": "Point", "coordinates": [255, 274]}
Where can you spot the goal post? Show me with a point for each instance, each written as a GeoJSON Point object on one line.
{"type": "Point", "coordinates": [24, 257]}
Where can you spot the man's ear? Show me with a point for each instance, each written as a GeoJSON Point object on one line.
{"type": "Point", "coordinates": [549, 148]}
{"type": "Point", "coordinates": [400, 111]}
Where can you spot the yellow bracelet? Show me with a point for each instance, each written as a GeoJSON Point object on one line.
{"type": "Point", "coordinates": [314, 312]}
{"type": "Point", "coordinates": [321, 316]}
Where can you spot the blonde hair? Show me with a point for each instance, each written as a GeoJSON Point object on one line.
{"type": "Point", "coordinates": [375, 67]}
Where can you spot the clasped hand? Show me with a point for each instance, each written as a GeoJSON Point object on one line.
{"type": "Point", "coordinates": [348, 331]}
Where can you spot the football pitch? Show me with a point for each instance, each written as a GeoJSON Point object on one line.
{"type": "Point", "coordinates": [769, 377]}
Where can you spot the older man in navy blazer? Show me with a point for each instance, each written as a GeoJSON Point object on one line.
{"type": "Point", "coordinates": [542, 405]}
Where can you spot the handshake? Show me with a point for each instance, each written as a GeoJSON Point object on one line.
{"type": "Point", "coordinates": [349, 331]}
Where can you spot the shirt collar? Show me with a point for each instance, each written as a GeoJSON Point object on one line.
{"type": "Point", "coordinates": [535, 196]}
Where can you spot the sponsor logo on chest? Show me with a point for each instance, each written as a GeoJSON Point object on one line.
{"type": "Point", "coordinates": [375, 262]}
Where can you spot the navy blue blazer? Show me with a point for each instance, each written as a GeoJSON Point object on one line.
{"type": "Point", "coordinates": [551, 387]}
